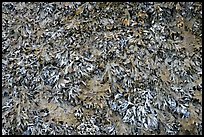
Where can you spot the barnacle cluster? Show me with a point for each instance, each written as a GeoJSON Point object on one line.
{"type": "Point", "coordinates": [80, 68]}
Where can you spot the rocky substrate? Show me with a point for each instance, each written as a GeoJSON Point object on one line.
{"type": "Point", "coordinates": [75, 68]}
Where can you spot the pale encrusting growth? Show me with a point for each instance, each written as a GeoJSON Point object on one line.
{"type": "Point", "coordinates": [81, 68]}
